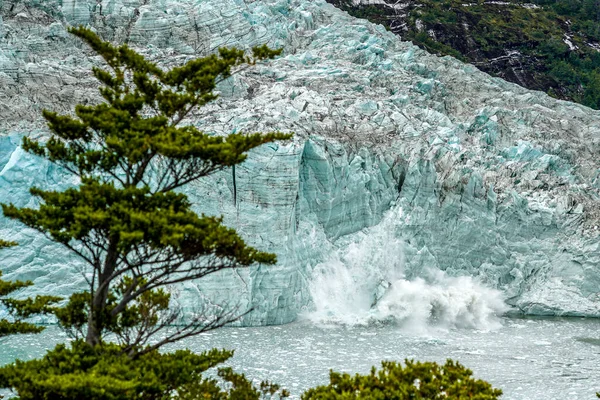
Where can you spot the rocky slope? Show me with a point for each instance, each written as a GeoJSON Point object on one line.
{"type": "Point", "coordinates": [547, 45]}
{"type": "Point", "coordinates": [474, 176]}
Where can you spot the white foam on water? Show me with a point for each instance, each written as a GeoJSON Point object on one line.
{"type": "Point", "coordinates": [363, 282]}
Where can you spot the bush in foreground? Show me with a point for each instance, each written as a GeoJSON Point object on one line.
{"type": "Point", "coordinates": [416, 380]}
{"type": "Point", "coordinates": [106, 372]}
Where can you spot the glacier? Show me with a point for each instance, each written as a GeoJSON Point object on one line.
{"type": "Point", "coordinates": [467, 175]}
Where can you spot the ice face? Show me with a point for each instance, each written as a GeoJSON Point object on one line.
{"type": "Point", "coordinates": [479, 177]}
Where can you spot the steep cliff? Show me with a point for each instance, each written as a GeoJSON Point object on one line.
{"type": "Point", "coordinates": [472, 175]}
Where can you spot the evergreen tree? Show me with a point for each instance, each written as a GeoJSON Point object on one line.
{"type": "Point", "coordinates": [105, 372]}
{"type": "Point", "coordinates": [416, 380]}
{"type": "Point", "coordinates": [20, 310]}
{"type": "Point", "coordinates": [126, 220]}
{"type": "Point", "coordinates": [136, 233]}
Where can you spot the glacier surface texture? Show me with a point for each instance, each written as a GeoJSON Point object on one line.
{"type": "Point", "coordinates": [427, 163]}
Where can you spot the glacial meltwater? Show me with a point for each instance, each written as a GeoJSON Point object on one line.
{"type": "Point", "coordinates": [550, 359]}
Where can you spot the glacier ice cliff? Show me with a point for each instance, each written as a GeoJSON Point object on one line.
{"type": "Point", "coordinates": [472, 175]}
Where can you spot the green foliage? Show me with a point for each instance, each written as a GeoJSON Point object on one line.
{"type": "Point", "coordinates": [592, 91]}
{"type": "Point", "coordinates": [138, 217]}
{"type": "Point", "coordinates": [373, 13]}
{"type": "Point", "coordinates": [435, 47]}
{"type": "Point", "coordinates": [237, 387]}
{"type": "Point", "coordinates": [143, 314]}
{"type": "Point", "coordinates": [105, 372]}
{"type": "Point", "coordinates": [73, 317]}
{"type": "Point", "coordinates": [126, 220]}
{"type": "Point", "coordinates": [414, 381]}
{"type": "Point", "coordinates": [538, 34]}
{"type": "Point", "coordinates": [564, 72]}
{"type": "Point", "coordinates": [485, 31]}
{"type": "Point", "coordinates": [23, 308]}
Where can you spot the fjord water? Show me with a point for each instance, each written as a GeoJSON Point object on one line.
{"type": "Point", "coordinates": [550, 359]}
{"type": "Point", "coordinates": [528, 358]}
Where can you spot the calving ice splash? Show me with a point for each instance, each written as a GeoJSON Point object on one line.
{"type": "Point", "coordinates": [364, 282]}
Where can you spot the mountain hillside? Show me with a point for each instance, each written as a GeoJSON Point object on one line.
{"type": "Point", "coordinates": [547, 45]}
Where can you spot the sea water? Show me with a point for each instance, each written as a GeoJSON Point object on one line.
{"type": "Point", "coordinates": [531, 358]}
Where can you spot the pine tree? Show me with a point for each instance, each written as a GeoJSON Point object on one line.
{"type": "Point", "coordinates": [126, 220]}
{"type": "Point", "coordinates": [20, 310]}
{"type": "Point", "coordinates": [136, 233]}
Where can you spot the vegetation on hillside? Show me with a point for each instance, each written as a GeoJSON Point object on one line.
{"type": "Point", "coordinates": [548, 45]}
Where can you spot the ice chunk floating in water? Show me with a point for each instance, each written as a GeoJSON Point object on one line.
{"type": "Point", "coordinates": [364, 282]}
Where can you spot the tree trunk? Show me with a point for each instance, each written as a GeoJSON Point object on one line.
{"type": "Point", "coordinates": [100, 297]}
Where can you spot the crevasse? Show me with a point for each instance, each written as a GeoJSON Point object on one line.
{"type": "Point", "coordinates": [493, 186]}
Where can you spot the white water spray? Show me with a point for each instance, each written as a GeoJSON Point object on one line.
{"type": "Point", "coordinates": [363, 282]}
